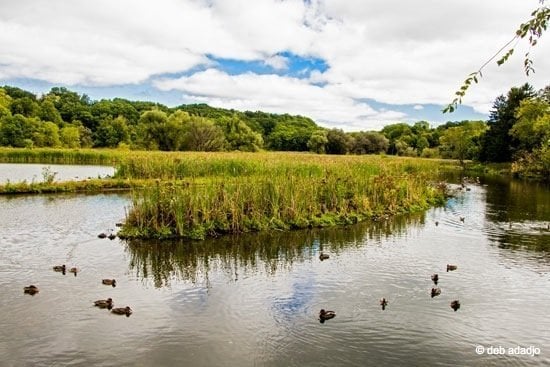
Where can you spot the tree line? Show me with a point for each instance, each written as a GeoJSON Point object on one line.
{"type": "Point", "coordinates": [518, 129]}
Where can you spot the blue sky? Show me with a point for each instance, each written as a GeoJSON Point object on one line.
{"type": "Point", "coordinates": [355, 65]}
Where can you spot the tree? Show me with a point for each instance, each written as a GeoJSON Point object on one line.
{"type": "Point", "coordinates": [318, 141]}
{"type": "Point", "coordinates": [532, 128]}
{"type": "Point", "coordinates": [201, 134]}
{"type": "Point", "coordinates": [25, 106]}
{"type": "Point", "coordinates": [534, 28]}
{"type": "Point", "coordinates": [70, 136]}
{"type": "Point", "coordinates": [48, 112]}
{"type": "Point", "coordinates": [368, 142]}
{"type": "Point", "coordinates": [239, 136]}
{"type": "Point", "coordinates": [46, 134]}
{"type": "Point", "coordinates": [462, 142]}
{"type": "Point", "coordinates": [497, 145]}
{"type": "Point", "coordinates": [17, 131]}
{"type": "Point", "coordinates": [111, 132]}
{"type": "Point", "coordinates": [338, 142]}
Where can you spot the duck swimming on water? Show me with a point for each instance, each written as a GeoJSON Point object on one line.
{"type": "Point", "coordinates": [436, 292]}
{"type": "Point", "coordinates": [455, 305]}
{"type": "Point", "coordinates": [383, 303]}
{"type": "Point", "coordinates": [326, 315]}
{"type": "Point", "coordinates": [109, 282]}
{"type": "Point", "coordinates": [104, 303]}
{"type": "Point", "coordinates": [122, 311]}
{"type": "Point", "coordinates": [451, 267]}
{"type": "Point", "coordinates": [31, 289]}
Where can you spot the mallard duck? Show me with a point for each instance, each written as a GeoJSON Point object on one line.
{"type": "Point", "coordinates": [451, 267]}
{"type": "Point", "coordinates": [111, 236]}
{"type": "Point", "coordinates": [383, 303]}
{"type": "Point", "coordinates": [455, 305]}
{"type": "Point", "coordinates": [31, 289]}
{"type": "Point", "coordinates": [102, 235]}
{"type": "Point", "coordinates": [436, 292]}
{"type": "Point", "coordinates": [109, 282]}
{"type": "Point", "coordinates": [104, 303]}
{"type": "Point", "coordinates": [323, 256]}
{"type": "Point", "coordinates": [326, 315]}
{"type": "Point", "coordinates": [74, 271]}
{"type": "Point", "coordinates": [122, 311]}
{"type": "Point", "coordinates": [61, 268]}
{"type": "Point", "coordinates": [435, 278]}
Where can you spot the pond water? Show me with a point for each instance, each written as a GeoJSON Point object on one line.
{"type": "Point", "coordinates": [254, 300]}
{"type": "Point", "coordinates": [31, 172]}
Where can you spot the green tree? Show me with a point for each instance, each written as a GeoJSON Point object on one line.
{"type": "Point", "coordinates": [48, 112]}
{"type": "Point", "coordinates": [338, 142]}
{"type": "Point", "coordinates": [318, 141]}
{"type": "Point", "coordinates": [25, 106]}
{"type": "Point", "coordinates": [532, 128]}
{"type": "Point", "coordinates": [497, 145]}
{"type": "Point", "coordinates": [70, 136]}
{"type": "Point", "coordinates": [239, 136]}
{"type": "Point", "coordinates": [46, 134]}
{"type": "Point", "coordinates": [17, 131]}
{"type": "Point", "coordinates": [111, 132]}
{"type": "Point", "coordinates": [369, 142]}
{"type": "Point", "coordinates": [203, 135]}
{"type": "Point", "coordinates": [462, 142]}
{"type": "Point", "coordinates": [151, 129]}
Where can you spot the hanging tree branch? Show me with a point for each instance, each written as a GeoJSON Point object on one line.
{"type": "Point", "coordinates": [533, 28]}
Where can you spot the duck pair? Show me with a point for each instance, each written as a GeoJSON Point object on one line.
{"type": "Point", "coordinates": [108, 304]}
{"type": "Point", "coordinates": [63, 269]}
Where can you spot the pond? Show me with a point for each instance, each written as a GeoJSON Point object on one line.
{"type": "Point", "coordinates": [254, 300]}
{"type": "Point", "coordinates": [33, 172]}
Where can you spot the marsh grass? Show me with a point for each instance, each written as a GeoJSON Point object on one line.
{"type": "Point", "coordinates": [200, 196]}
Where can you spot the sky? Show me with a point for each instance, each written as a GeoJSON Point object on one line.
{"type": "Point", "coordinates": [348, 64]}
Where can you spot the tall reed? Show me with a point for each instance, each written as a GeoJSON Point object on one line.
{"type": "Point", "coordinates": [289, 196]}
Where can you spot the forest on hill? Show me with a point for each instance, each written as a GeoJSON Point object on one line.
{"type": "Point", "coordinates": [518, 129]}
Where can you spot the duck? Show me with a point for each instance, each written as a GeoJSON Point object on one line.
{"type": "Point", "coordinates": [31, 289]}
{"type": "Point", "coordinates": [109, 282]}
{"type": "Point", "coordinates": [122, 311]}
{"type": "Point", "coordinates": [462, 219]}
{"type": "Point", "coordinates": [455, 305]}
{"type": "Point", "coordinates": [323, 256]}
{"type": "Point", "coordinates": [436, 292]}
{"type": "Point", "coordinates": [61, 268]}
{"type": "Point", "coordinates": [111, 236]}
{"type": "Point", "coordinates": [74, 271]}
{"type": "Point", "coordinates": [104, 303]}
{"type": "Point", "coordinates": [326, 315]}
{"type": "Point", "coordinates": [451, 267]}
{"type": "Point", "coordinates": [383, 303]}
{"type": "Point", "coordinates": [435, 278]}
{"type": "Point", "coordinates": [102, 235]}
{"type": "Point", "coordinates": [436, 223]}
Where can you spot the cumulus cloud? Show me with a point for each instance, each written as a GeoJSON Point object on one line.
{"type": "Point", "coordinates": [279, 94]}
{"type": "Point", "coordinates": [277, 62]}
{"type": "Point", "coordinates": [396, 52]}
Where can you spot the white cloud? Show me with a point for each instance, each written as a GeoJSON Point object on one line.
{"type": "Point", "coordinates": [278, 94]}
{"type": "Point", "coordinates": [396, 52]}
{"type": "Point", "coordinates": [277, 62]}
